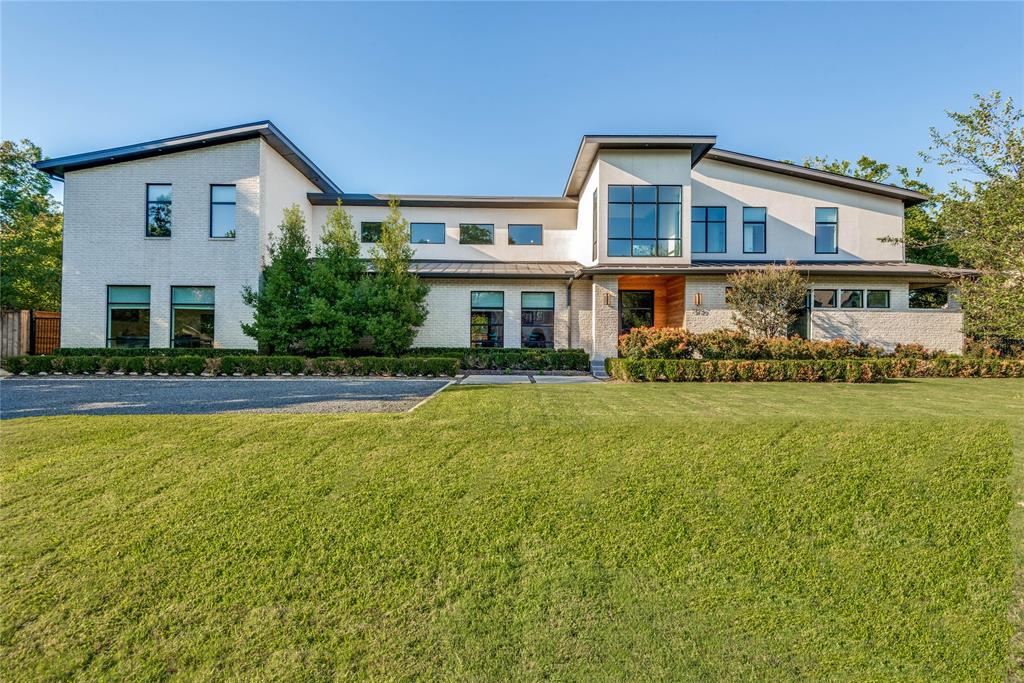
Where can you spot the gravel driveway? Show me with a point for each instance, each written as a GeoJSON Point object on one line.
{"type": "Point", "coordinates": [37, 396]}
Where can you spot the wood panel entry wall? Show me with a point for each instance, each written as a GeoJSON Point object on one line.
{"type": "Point", "coordinates": [669, 296]}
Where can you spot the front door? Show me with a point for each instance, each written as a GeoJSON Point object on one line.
{"type": "Point", "coordinates": [636, 309]}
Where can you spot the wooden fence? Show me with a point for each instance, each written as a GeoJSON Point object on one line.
{"type": "Point", "coordinates": [29, 332]}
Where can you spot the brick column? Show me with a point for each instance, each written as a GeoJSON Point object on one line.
{"type": "Point", "coordinates": [605, 317]}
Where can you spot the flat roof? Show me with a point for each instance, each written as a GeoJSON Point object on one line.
{"type": "Point", "coordinates": [218, 136]}
{"type": "Point", "coordinates": [590, 145]}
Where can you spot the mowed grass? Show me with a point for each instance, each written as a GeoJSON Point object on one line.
{"type": "Point", "coordinates": [695, 532]}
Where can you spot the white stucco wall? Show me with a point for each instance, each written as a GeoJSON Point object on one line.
{"type": "Point", "coordinates": [449, 305]}
{"type": "Point", "coordinates": [105, 242]}
{"type": "Point", "coordinates": [283, 186]}
{"type": "Point", "coordinates": [790, 203]}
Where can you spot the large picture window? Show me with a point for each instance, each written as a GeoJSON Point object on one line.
{"type": "Point", "coordinates": [127, 317]}
{"type": "Point", "coordinates": [644, 220]}
{"type": "Point", "coordinates": [158, 210]}
{"type": "Point", "coordinates": [222, 211]}
{"type": "Point", "coordinates": [487, 319]}
{"type": "Point", "coordinates": [754, 228]}
{"type": "Point", "coordinates": [636, 309]}
{"type": "Point", "coordinates": [192, 316]}
{"type": "Point", "coordinates": [538, 320]}
{"type": "Point", "coordinates": [476, 233]}
{"type": "Point", "coordinates": [707, 229]}
{"type": "Point", "coordinates": [426, 233]}
{"type": "Point", "coordinates": [826, 230]}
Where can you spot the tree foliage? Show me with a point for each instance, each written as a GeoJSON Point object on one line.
{"type": "Point", "coordinates": [31, 231]}
{"type": "Point", "coordinates": [280, 305]}
{"type": "Point", "coordinates": [766, 301]}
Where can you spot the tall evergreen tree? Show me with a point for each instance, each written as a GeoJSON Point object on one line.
{"type": "Point", "coordinates": [336, 295]}
{"type": "Point", "coordinates": [394, 295]}
{"type": "Point", "coordinates": [281, 311]}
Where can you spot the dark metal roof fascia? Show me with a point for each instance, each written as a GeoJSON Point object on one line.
{"type": "Point", "coordinates": [277, 140]}
{"type": "Point", "coordinates": [448, 201]}
{"type": "Point", "coordinates": [909, 197]}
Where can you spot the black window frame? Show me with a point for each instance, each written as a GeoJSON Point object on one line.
{"type": "Point", "coordinates": [170, 230]}
{"type": "Point", "coordinates": [523, 324]}
{"type": "Point", "coordinates": [234, 230]}
{"type": "Point", "coordinates": [650, 292]}
{"type": "Point", "coordinates": [444, 231]}
{"type": "Point", "coordinates": [593, 220]}
{"type": "Point", "coordinates": [539, 226]}
{"type": "Point", "coordinates": [657, 240]}
{"type": "Point", "coordinates": [212, 308]}
{"type": "Point", "coordinates": [763, 223]}
{"type": "Point", "coordinates": [888, 299]}
{"type": "Point", "coordinates": [842, 299]}
{"type": "Point", "coordinates": [725, 229]}
{"type": "Point", "coordinates": [833, 224]}
{"type": "Point", "coordinates": [149, 307]}
{"type": "Point", "coordinates": [362, 231]}
{"type": "Point", "coordinates": [499, 325]}
{"type": "Point", "coordinates": [835, 298]}
{"type": "Point", "coordinates": [478, 225]}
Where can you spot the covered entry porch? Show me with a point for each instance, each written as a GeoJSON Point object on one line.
{"type": "Point", "coordinates": [651, 301]}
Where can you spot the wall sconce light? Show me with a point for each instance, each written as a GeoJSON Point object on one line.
{"type": "Point", "coordinates": [607, 298]}
{"type": "Point", "coordinates": [698, 299]}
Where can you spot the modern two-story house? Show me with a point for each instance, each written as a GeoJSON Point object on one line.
{"type": "Point", "coordinates": [161, 237]}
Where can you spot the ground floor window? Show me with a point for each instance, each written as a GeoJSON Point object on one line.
{"type": "Point", "coordinates": [636, 309]}
{"type": "Point", "coordinates": [852, 298]}
{"type": "Point", "coordinates": [127, 316]}
{"type": "Point", "coordinates": [878, 298]}
{"type": "Point", "coordinates": [192, 317]}
{"type": "Point", "coordinates": [929, 296]}
{"type": "Point", "coordinates": [487, 319]}
{"type": "Point", "coordinates": [824, 298]}
{"type": "Point", "coordinates": [538, 320]}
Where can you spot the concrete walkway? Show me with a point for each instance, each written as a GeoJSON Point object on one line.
{"type": "Point", "coordinates": [528, 379]}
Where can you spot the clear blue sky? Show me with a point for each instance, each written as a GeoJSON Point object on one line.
{"type": "Point", "coordinates": [493, 98]}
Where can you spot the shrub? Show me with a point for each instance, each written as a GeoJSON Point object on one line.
{"type": "Point", "coordinates": [81, 351]}
{"type": "Point", "coordinates": [677, 343]}
{"type": "Point", "coordinates": [510, 359]}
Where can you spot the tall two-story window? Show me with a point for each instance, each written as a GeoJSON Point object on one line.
{"type": "Point", "coordinates": [538, 320]}
{"type": "Point", "coordinates": [426, 233]}
{"type": "Point", "coordinates": [192, 315]}
{"type": "Point", "coordinates": [476, 233]}
{"type": "Point", "coordinates": [158, 210]}
{"type": "Point", "coordinates": [127, 316]}
{"type": "Point", "coordinates": [754, 228]}
{"type": "Point", "coordinates": [487, 319]}
{"type": "Point", "coordinates": [594, 226]}
{"type": "Point", "coordinates": [826, 231]}
{"type": "Point", "coordinates": [222, 211]}
{"type": "Point", "coordinates": [707, 229]}
{"type": "Point", "coordinates": [369, 232]}
{"type": "Point", "coordinates": [528, 235]}
{"type": "Point", "coordinates": [644, 220]}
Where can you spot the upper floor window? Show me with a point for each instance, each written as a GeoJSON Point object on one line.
{"type": "Point", "coordinates": [158, 210]}
{"type": "Point", "coordinates": [826, 230]}
{"type": "Point", "coordinates": [369, 232]}
{"type": "Point", "coordinates": [593, 220]}
{"type": "Point", "coordinates": [754, 222]}
{"type": "Point", "coordinates": [525, 234]}
{"type": "Point", "coordinates": [222, 210]}
{"type": "Point", "coordinates": [707, 229]}
{"type": "Point", "coordinates": [644, 220]}
{"type": "Point", "coordinates": [426, 233]}
{"type": "Point", "coordinates": [476, 233]}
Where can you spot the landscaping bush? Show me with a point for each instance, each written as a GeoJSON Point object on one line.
{"type": "Point", "coordinates": [829, 370]}
{"type": "Point", "coordinates": [677, 343]}
{"type": "Point", "coordinates": [510, 359]}
{"type": "Point", "coordinates": [82, 351]}
{"type": "Point", "coordinates": [78, 365]}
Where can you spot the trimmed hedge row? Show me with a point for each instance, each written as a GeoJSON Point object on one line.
{"type": "Point", "coordinates": [231, 365]}
{"type": "Point", "coordinates": [204, 352]}
{"type": "Point", "coordinates": [849, 370]}
{"type": "Point", "coordinates": [510, 359]}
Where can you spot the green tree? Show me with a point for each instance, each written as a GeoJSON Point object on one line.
{"type": "Point", "coordinates": [31, 231]}
{"type": "Point", "coordinates": [281, 304]}
{"type": "Point", "coordinates": [983, 214]}
{"type": "Point", "coordinates": [336, 306]}
{"type": "Point", "coordinates": [394, 295]}
{"type": "Point", "coordinates": [766, 301]}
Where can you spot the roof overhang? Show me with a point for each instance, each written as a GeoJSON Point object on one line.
{"type": "Point", "coordinates": [181, 143]}
{"type": "Point", "coordinates": [590, 145]}
{"type": "Point", "coordinates": [859, 268]}
{"type": "Point", "coordinates": [544, 270]}
{"type": "Point", "coordinates": [447, 201]}
{"type": "Point", "coordinates": [908, 197]}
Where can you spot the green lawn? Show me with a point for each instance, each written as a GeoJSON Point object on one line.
{"type": "Point", "coordinates": [588, 532]}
